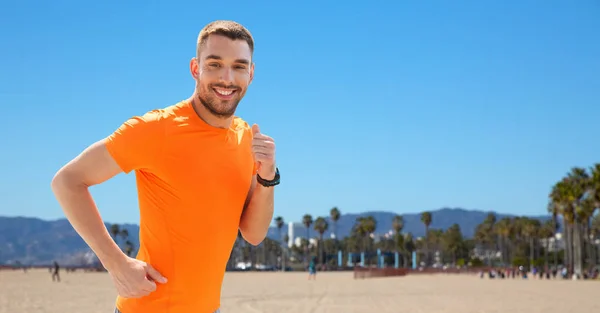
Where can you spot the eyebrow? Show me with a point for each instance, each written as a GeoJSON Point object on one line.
{"type": "Point", "coordinates": [216, 57]}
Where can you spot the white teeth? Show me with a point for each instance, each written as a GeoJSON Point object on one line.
{"type": "Point", "coordinates": [224, 92]}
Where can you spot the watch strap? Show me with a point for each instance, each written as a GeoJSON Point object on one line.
{"type": "Point", "coordinates": [269, 183]}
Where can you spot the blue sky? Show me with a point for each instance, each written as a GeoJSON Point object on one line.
{"type": "Point", "coordinates": [402, 106]}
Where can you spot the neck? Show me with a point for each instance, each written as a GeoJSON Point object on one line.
{"type": "Point", "coordinates": [209, 118]}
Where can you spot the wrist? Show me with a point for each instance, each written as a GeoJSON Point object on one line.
{"type": "Point", "coordinates": [113, 260]}
{"type": "Point", "coordinates": [268, 173]}
{"type": "Point", "coordinates": [269, 181]}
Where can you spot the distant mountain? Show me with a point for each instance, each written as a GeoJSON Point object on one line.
{"type": "Point", "coordinates": [441, 219]}
{"type": "Point", "coordinates": [35, 241]}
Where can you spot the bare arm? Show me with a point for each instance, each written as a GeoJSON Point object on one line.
{"type": "Point", "coordinates": [70, 186]}
{"type": "Point", "coordinates": [257, 214]}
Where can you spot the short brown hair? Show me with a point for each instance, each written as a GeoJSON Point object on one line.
{"type": "Point", "coordinates": [229, 29]}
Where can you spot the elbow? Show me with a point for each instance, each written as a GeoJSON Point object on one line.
{"type": "Point", "coordinates": [253, 238]}
{"type": "Point", "coordinates": [58, 181]}
{"type": "Point", "coordinates": [62, 181]}
{"type": "Point", "coordinates": [255, 241]}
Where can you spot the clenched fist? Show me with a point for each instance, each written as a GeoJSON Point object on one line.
{"type": "Point", "coordinates": [135, 279]}
{"type": "Point", "coordinates": [263, 148]}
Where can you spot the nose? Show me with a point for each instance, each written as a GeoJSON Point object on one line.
{"type": "Point", "coordinates": [226, 75]}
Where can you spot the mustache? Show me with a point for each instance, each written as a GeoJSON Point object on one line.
{"type": "Point", "coordinates": [225, 86]}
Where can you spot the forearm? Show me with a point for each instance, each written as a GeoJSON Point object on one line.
{"type": "Point", "coordinates": [80, 209]}
{"type": "Point", "coordinates": [257, 215]}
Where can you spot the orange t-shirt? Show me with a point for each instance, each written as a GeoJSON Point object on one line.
{"type": "Point", "coordinates": [192, 181]}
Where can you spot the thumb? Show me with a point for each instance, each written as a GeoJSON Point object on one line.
{"type": "Point", "coordinates": [255, 129]}
{"type": "Point", "coordinates": [154, 274]}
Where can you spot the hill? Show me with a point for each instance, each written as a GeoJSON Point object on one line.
{"type": "Point", "coordinates": [35, 241]}
{"type": "Point", "coordinates": [441, 219]}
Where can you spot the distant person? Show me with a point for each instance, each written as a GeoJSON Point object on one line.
{"type": "Point", "coordinates": [312, 269]}
{"type": "Point", "coordinates": [201, 174]}
{"type": "Point", "coordinates": [55, 272]}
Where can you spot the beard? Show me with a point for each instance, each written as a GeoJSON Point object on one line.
{"type": "Point", "coordinates": [218, 107]}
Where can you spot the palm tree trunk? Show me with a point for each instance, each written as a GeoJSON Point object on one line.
{"type": "Point", "coordinates": [427, 261]}
{"type": "Point", "coordinates": [253, 256]}
{"type": "Point", "coordinates": [589, 245]}
{"type": "Point", "coordinates": [577, 249]}
{"type": "Point", "coordinates": [531, 253]}
{"type": "Point", "coordinates": [546, 248]}
{"type": "Point", "coordinates": [366, 250]}
{"type": "Point", "coordinates": [335, 230]}
{"type": "Point", "coordinates": [282, 245]}
{"type": "Point", "coordinates": [593, 255]}
{"type": "Point", "coordinates": [508, 251]}
{"type": "Point", "coordinates": [264, 253]}
{"type": "Point", "coordinates": [307, 250]}
{"type": "Point", "coordinates": [321, 249]}
{"type": "Point", "coordinates": [536, 248]}
{"type": "Point", "coordinates": [501, 247]}
{"type": "Point", "coordinates": [568, 246]}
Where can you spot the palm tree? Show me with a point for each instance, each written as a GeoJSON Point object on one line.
{"type": "Point", "coordinates": [124, 233]}
{"type": "Point", "coordinates": [398, 225]}
{"type": "Point", "coordinates": [554, 209]}
{"type": "Point", "coordinates": [559, 207]}
{"type": "Point", "coordinates": [546, 232]}
{"type": "Point", "coordinates": [453, 241]}
{"type": "Point", "coordinates": [503, 230]}
{"type": "Point", "coordinates": [279, 223]}
{"type": "Point", "coordinates": [368, 225]}
{"type": "Point", "coordinates": [307, 220]}
{"type": "Point", "coordinates": [426, 219]}
{"type": "Point", "coordinates": [579, 182]}
{"type": "Point", "coordinates": [114, 231]}
{"type": "Point", "coordinates": [321, 227]}
{"type": "Point", "coordinates": [486, 235]}
{"type": "Point", "coordinates": [594, 195]}
{"type": "Point", "coordinates": [492, 237]}
{"type": "Point", "coordinates": [334, 215]}
{"type": "Point", "coordinates": [585, 214]}
{"type": "Point", "coordinates": [530, 231]}
{"type": "Point", "coordinates": [596, 235]}
{"type": "Point", "coordinates": [409, 246]}
{"type": "Point", "coordinates": [436, 241]}
{"type": "Point", "coordinates": [129, 248]}
{"type": "Point", "coordinates": [568, 196]}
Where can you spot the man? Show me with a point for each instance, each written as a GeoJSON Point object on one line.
{"type": "Point", "coordinates": [312, 269]}
{"type": "Point", "coordinates": [55, 272]}
{"type": "Point", "coordinates": [201, 173]}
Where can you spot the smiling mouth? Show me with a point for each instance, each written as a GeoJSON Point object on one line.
{"type": "Point", "coordinates": [225, 93]}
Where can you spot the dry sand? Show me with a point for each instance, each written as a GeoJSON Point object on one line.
{"type": "Point", "coordinates": [35, 292]}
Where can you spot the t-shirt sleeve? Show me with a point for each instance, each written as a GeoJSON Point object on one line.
{"type": "Point", "coordinates": [137, 143]}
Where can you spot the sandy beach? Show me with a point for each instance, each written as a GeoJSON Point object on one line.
{"type": "Point", "coordinates": [34, 292]}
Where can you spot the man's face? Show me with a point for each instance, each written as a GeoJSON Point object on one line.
{"type": "Point", "coordinates": [223, 71]}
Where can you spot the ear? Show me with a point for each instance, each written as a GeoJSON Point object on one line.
{"type": "Point", "coordinates": [194, 68]}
